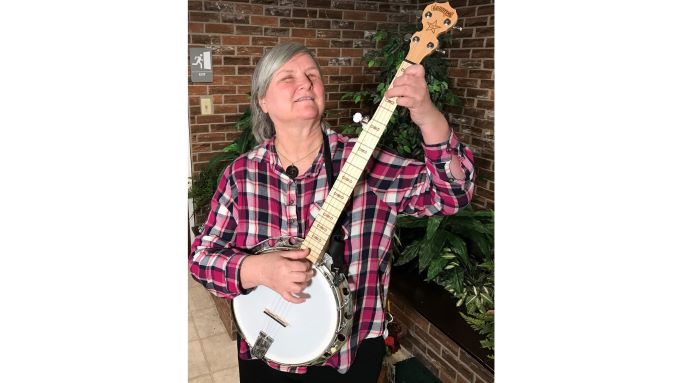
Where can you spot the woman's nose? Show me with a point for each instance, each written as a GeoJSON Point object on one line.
{"type": "Point", "coordinates": [306, 83]}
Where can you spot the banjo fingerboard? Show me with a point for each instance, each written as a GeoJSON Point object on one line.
{"type": "Point", "coordinates": [318, 236]}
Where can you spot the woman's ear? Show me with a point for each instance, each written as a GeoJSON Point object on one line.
{"type": "Point", "coordinates": [262, 105]}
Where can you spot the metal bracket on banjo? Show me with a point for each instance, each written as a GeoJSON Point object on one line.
{"type": "Point", "coordinates": [261, 346]}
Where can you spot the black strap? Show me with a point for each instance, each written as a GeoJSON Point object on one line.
{"type": "Point", "coordinates": [336, 242]}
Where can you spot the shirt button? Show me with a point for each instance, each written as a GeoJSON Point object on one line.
{"type": "Point", "coordinates": [292, 202]}
{"type": "Point", "coordinates": [292, 221]}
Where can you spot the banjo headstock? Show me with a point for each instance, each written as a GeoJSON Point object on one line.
{"type": "Point", "coordinates": [437, 18]}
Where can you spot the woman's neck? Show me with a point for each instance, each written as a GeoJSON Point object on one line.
{"type": "Point", "coordinates": [298, 141]}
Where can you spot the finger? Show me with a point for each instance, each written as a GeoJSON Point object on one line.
{"type": "Point", "coordinates": [303, 277]}
{"type": "Point", "coordinates": [298, 265]}
{"type": "Point", "coordinates": [415, 70]}
{"type": "Point", "coordinates": [292, 298]}
{"type": "Point", "coordinates": [296, 254]}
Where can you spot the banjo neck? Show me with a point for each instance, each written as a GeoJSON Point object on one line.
{"type": "Point", "coordinates": [318, 236]}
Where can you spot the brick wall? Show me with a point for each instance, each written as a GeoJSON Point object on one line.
{"type": "Point", "coordinates": [442, 356]}
{"type": "Point", "coordinates": [239, 32]}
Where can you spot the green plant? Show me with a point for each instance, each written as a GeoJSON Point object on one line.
{"type": "Point", "coordinates": [456, 252]}
{"type": "Point", "coordinates": [401, 135]}
{"type": "Point", "coordinates": [484, 324]}
{"type": "Point", "coordinates": [204, 185]}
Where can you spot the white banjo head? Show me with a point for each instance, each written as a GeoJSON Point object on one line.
{"type": "Point", "coordinates": [300, 333]}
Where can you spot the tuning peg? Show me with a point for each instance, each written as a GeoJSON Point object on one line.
{"type": "Point", "coordinates": [357, 117]}
{"type": "Point", "coordinates": [441, 51]}
{"type": "Point", "coordinates": [458, 29]}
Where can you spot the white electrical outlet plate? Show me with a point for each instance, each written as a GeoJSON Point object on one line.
{"type": "Point", "coordinates": [206, 105]}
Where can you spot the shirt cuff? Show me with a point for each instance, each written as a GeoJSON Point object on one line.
{"type": "Point", "coordinates": [442, 153]}
{"type": "Point", "coordinates": [233, 274]}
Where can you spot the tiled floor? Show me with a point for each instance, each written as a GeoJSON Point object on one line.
{"type": "Point", "coordinates": [212, 354]}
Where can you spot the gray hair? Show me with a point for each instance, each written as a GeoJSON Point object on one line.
{"type": "Point", "coordinates": [261, 124]}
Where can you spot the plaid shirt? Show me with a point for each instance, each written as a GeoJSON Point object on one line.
{"type": "Point", "coordinates": [256, 200]}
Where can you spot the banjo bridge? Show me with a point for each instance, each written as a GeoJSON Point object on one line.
{"type": "Point", "coordinates": [275, 317]}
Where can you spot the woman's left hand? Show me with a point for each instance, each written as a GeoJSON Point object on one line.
{"type": "Point", "coordinates": [411, 92]}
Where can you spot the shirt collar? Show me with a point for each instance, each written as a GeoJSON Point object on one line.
{"type": "Point", "coordinates": [266, 151]}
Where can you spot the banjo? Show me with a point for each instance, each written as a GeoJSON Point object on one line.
{"type": "Point", "coordinates": [308, 333]}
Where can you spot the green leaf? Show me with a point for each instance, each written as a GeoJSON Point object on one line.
{"type": "Point", "coordinates": [410, 252]}
{"type": "Point", "coordinates": [432, 226]}
{"type": "Point", "coordinates": [435, 268]}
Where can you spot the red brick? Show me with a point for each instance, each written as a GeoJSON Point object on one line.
{"type": "Point", "coordinates": [223, 70]}
{"type": "Point", "coordinates": [196, 129]}
{"type": "Point", "coordinates": [249, 9]}
{"type": "Point", "coordinates": [236, 60]}
{"type": "Point", "coordinates": [317, 23]}
{"type": "Point", "coordinates": [473, 43]}
{"type": "Point", "coordinates": [222, 109]}
{"type": "Point", "coordinates": [486, 10]}
{"type": "Point", "coordinates": [264, 41]}
{"type": "Point", "coordinates": [235, 40]}
{"type": "Point", "coordinates": [248, 30]}
{"type": "Point", "coordinates": [204, 147]}
{"type": "Point", "coordinates": [376, 16]}
{"type": "Point", "coordinates": [296, 32]}
{"type": "Point", "coordinates": [487, 84]}
{"type": "Point", "coordinates": [305, 13]}
{"type": "Point", "coordinates": [484, 32]}
{"type": "Point", "coordinates": [346, 34]}
{"type": "Point", "coordinates": [482, 74]}
{"type": "Point", "coordinates": [265, 20]}
{"type": "Point", "coordinates": [299, 40]}
{"type": "Point", "coordinates": [319, 3]}
{"type": "Point", "coordinates": [354, 15]}
{"type": "Point", "coordinates": [330, 14]}
{"type": "Point", "coordinates": [220, 28]}
{"type": "Point", "coordinates": [196, 28]}
{"type": "Point", "coordinates": [197, 89]}
{"type": "Point", "coordinates": [245, 70]}
{"type": "Point", "coordinates": [206, 17]}
{"type": "Point", "coordinates": [327, 34]}
{"type": "Point", "coordinates": [236, 99]}
{"type": "Point", "coordinates": [237, 80]}
{"type": "Point", "coordinates": [292, 23]}
{"type": "Point", "coordinates": [247, 50]}
{"type": "Point", "coordinates": [317, 43]}
{"type": "Point", "coordinates": [482, 53]}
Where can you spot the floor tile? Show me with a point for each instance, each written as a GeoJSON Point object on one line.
{"type": "Point", "coordinates": [199, 298]}
{"type": "Point", "coordinates": [220, 351]}
{"type": "Point", "coordinates": [192, 330]}
{"type": "Point", "coordinates": [202, 379]}
{"type": "Point", "coordinates": [208, 322]}
{"type": "Point", "coordinates": [197, 362]}
{"type": "Point", "coordinates": [230, 375]}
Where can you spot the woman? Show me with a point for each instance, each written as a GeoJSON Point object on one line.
{"type": "Point", "coordinates": [277, 189]}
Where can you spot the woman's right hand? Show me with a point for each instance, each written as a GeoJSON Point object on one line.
{"type": "Point", "coordinates": [286, 272]}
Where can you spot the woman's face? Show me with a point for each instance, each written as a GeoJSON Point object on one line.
{"type": "Point", "coordinates": [295, 92]}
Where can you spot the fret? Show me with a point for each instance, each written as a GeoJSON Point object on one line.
{"type": "Point", "coordinates": [390, 110]}
{"type": "Point", "coordinates": [361, 152]}
{"type": "Point", "coordinates": [327, 216]}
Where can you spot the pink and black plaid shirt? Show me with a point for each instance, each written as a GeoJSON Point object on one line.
{"type": "Point", "coordinates": [256, 200]}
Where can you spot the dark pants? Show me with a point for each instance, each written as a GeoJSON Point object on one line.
{"type": "Point", "coordinates": [365, 368]}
